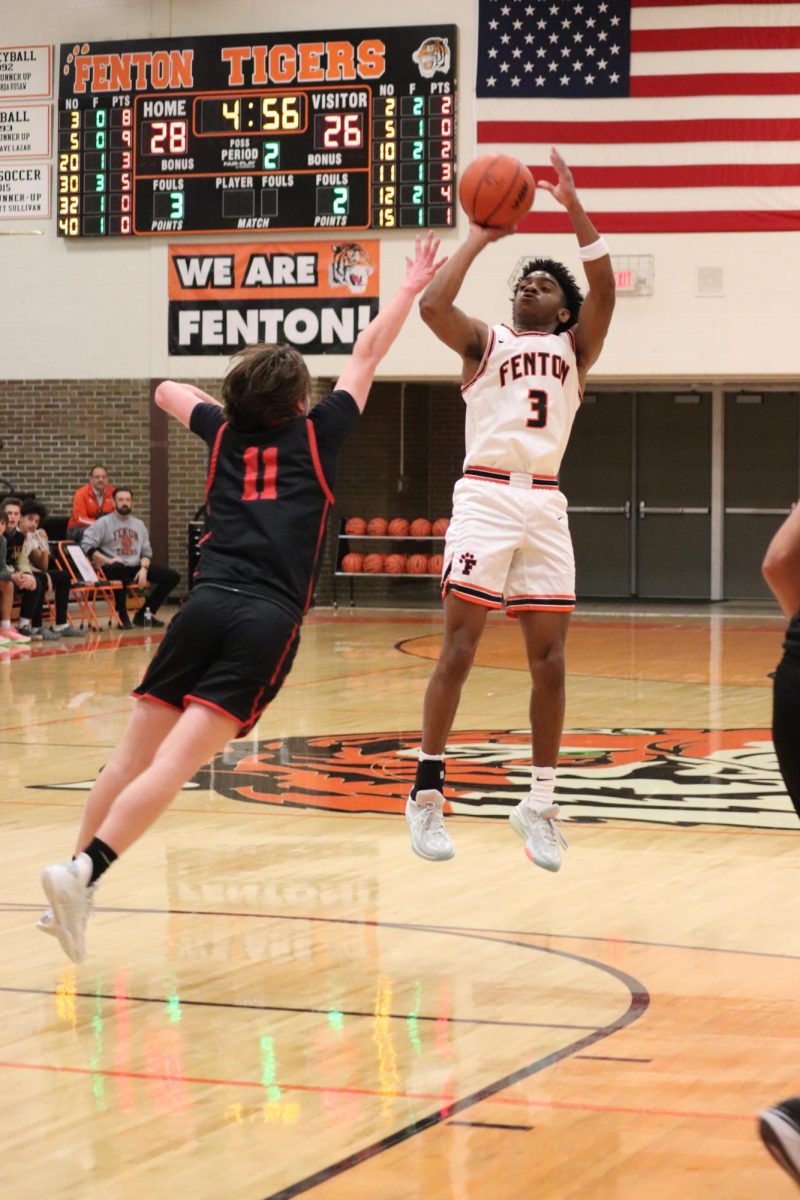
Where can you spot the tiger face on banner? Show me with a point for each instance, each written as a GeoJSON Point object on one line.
{"type": "Point", "coordinates": [684, 776]}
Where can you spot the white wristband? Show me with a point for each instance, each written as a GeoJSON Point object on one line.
{"type": "Point", "coordinates": [597, 249]}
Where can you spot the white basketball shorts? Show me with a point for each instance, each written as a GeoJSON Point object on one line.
{"type": "Point", "coordinates": [511, 546]}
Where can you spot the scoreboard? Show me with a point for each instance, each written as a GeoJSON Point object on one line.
{"type": "Point", "coordinates": [354, 129]}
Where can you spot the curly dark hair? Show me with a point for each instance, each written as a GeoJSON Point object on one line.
{"type": "Point", "coordinates": [573, 296]}
{"type": "Point", "coordinates": [265, 385]}
{"type": "Point", "coordinates": [34, 506]}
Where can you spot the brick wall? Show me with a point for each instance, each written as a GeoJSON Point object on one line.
{"type": "Point", "coordinates": [55, 430]}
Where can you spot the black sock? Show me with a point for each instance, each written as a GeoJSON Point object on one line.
{"type": "Point", "coordinates": [102, 857]}
{"type": "Point", "coordinates": [430, 776]}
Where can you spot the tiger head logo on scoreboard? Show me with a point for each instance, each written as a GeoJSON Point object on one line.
{"type": "Point", "coordinates": [432, 55]}
{"type": "Point", "coordinates": [350, 267]}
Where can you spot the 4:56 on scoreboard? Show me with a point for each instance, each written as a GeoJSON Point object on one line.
{"type": "Point", "coordinates": [350, 130]}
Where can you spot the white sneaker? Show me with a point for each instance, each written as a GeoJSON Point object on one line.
{"type": "Point", "coordinates": [66, 886]}
{"type": "Point", "coordinates": [429, 838]}
{"type": "Point", "coordinates": [47, 923]}
{"type": "Point", "coordinates": [543, 838]}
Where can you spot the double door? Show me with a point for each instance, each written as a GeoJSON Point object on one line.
{"type": "Point", "coordinates": [637, 475]}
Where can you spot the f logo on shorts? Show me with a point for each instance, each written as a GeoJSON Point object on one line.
{"type": "Point", "coordinates": [468, 561]}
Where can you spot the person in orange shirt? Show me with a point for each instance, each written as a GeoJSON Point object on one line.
{"type": "Point", "coordinates": [91, 501]}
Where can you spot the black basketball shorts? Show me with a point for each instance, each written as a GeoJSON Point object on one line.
{"type": "Point", "coordinates": [228, 651]}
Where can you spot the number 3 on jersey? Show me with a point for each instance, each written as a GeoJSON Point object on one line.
{"type": "Point", "coordinates": [265, 463]}
{"type": "Point", "coordinates": [538, 417]}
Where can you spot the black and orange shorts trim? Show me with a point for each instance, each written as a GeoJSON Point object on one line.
{"type": "Point", "coordinates": [226, 650]}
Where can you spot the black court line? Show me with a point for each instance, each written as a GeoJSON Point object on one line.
{"type": "Point", "coordinates": [491, 1125]}
{"type": "Point", "coordinates": [639, 1003]}
{"type": "Point", "coordinates": [613, 1058]}
{"type": "Point", "coordinates": [298, 1009]}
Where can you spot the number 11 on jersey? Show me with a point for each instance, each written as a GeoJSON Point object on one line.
{"type": "Point", "coordinates": [265, 463]}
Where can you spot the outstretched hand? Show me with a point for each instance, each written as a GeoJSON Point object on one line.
{"type": "Point", "coordinates": [564, 190]}
{"type": "Point", "coordinates": [421, 271]}
{"type": "Point", "coordinates": [490, 233]}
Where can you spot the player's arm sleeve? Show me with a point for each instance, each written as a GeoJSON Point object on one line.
{"type": "Point", "coordinates": [206, 420]}
{"type": "Point", "coordinates": [334, 418]}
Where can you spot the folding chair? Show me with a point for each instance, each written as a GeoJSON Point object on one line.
{"type": "Point", "coordinates": [90, 587]}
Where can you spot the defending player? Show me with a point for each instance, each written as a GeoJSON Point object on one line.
{"type": "Point", "coordinates": [508, 541]}
{"type": "Point", "coordinates": [227, 652]}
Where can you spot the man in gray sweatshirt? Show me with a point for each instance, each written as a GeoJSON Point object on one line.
{"type": "Point", "coordinates": [120, 543]}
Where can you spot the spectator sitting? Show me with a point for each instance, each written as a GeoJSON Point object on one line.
{"type": "Point", "coordinates": [38, 551]}
{"type": "Point", "coordinates": [90, 502]}
{"type": "Point", "coordinates": [31, 585]}
{"type": "Point", "coordinates": [8, 636]}
{"type": "Point", "coordinates": [120, 543]}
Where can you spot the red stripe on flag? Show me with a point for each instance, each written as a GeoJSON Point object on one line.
{"type": "Point", "coordinates": [782, 37]}
{"type": "Point", "coordinates": [715, 175]}
{"type": "Point", "coordinates": [777, 129]}
{"type": "Point", "coordinates": [787, 83]}
{"type": "Point", "coordinates": [669, 222]}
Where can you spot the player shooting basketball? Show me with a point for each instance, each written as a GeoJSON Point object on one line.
{"type": "Point", "coordinates": [226, 654]}
{"type": "Point", "coordinates": [508, 543]}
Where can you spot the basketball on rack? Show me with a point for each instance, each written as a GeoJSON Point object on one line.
{"type": "Point", "coordinates": [420, 527]}
{"type": "Point", "coordinates": [418, 564]}
{"type": "Point", "coordinates": [398, 527]}
{"type": "Point", "coordinates": [353, 563]}
{"type": "Point", "coordinates": [355, 525]}
{"type": "Point", "coordinates": [376, 527]}
{"type": "Point", "coordinates": [440, 526]}
{"type": "Point", "coordinates": [496, 190]}
{"type": "Point", "coordinates": [435, 564]}
{"type": "Point", "coordinates": [373, 564]}
{"type": "Point", "coordinates": [394, 564]}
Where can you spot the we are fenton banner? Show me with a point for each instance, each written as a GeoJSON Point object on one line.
{"type": "Point", "coordinates": [317, 296]}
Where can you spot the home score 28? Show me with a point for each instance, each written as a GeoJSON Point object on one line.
{"type": "Point", "coordinates": [352, 130]}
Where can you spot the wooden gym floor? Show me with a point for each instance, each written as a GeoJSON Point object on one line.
{"type": "Point", "coordinates": [281, 1000]}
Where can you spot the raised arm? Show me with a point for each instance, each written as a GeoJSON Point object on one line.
{"type": "Point", "coordinates": [178, 399]}
{"type": "Point", "coordinates": [374, 341]}
{"type": "Point", "coordinates": [781, 566]}
{"type": "Point", "coordinates": [466, 335]}
{"type": "Point", "coordinates": [598, 305]}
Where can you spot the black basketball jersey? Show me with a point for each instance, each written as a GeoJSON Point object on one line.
{"type": "Point", "coordinates": [268, 495]}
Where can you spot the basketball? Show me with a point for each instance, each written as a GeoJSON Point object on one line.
{"type": "Point", "coordinates": [496, 190]}
{"type": "Point", "coordinates": [373, 564]}
{"type": "Point", "coordinates": [353, 563]}
{"type": "Point", "coordinates": [376, 527]}
{"type": "Point", "coordinates": [398, 527]}
{"type": "Point", "coordinates": [355, 525]}
{"type": "Point", "coordinates": [440, 526]}
{"type": "Point", "coordinates": [394, 564]}
{"type": "Point", "coordinates": [435, 564]}
{"type": "Point", "coordinates": [420, 527]}
{"type": "Point", "coordinates": [418, 564]}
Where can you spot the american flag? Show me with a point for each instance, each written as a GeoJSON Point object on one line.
{"type": "Point", "coordinates": [674, 116]}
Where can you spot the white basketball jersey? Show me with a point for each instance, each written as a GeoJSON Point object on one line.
{"type": "Point", "coordinates": [521, 401]}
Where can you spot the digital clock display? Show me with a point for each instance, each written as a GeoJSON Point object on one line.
{"type": "Point", "coordinates": [296, 131]}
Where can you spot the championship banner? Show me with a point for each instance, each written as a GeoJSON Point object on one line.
{"type": "Point", "coordinates": [316, 296]}
{"type": "Point", "coordinates": [26, 72]}
{"type": "Point", "coordinates": [24, 191]}
{"type": "Point", "coordinates": [25, 130]}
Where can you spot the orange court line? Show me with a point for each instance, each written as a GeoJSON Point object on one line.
{"type": "Point", "coordinates": [576, 1106]}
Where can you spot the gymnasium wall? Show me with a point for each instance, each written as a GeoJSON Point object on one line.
{"type": "Point", "coordinates": [99, 310]}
